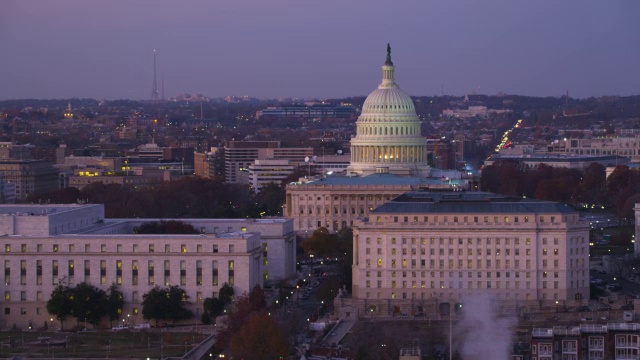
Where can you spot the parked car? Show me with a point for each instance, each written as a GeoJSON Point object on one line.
{"type": "Point", "coordinates": [143, 326]}
{"type": "Point", "coordinates": [120, 327]}
{"type": "Point", "coordinates": [627, 307]}
{"type": "Point", "coordinates": [583, 308]}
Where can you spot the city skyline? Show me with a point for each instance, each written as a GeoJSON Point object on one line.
{"type": "Point", "coordinates": [316, 50]}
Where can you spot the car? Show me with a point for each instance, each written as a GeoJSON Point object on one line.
{"type": "Point", "coordinates": [143, 326]}
{"type": "Point", "coordinates": [583, 308]}
{"type": "Point", "coordinates": [120, 327]}
{"type": "Point", "coordinates": [604, 308]}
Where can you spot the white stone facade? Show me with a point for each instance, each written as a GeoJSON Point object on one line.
{"type": "Point", "coordinates": [335, 207]}
{"type": "Point", "coordinates": [241, 252]}
{"type": "Point", "coordinates": [526, 254]}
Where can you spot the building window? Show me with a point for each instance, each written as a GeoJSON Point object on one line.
{"type": "Point", "coordinates": [151, 273]}
{"type": "Point", "coordinates": [214, 272]}
{"type": "Point", "coordinates": [54, 272]}
{"type": "Point", "coordinates": [103, 272]}
{"type": "Point", "coordinates": [134, 272]}
{"type": "Point", "coordinates": [167, 273]}
{"type": "Point", "coordinates": [231, 272]}
{"type": "Point", "coordinates": [183, 272]}
{"type": "Point", "coordinates": [199, 272]}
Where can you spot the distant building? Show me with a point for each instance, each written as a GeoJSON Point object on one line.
{"type": "Point", "coordinates": [568, 161]}
{"type": "Point", "coordinates": [628, 147]}
{"type": "Point", "coordinates": [44, 245]}
{"type": "Point", "coordinates": [238, 155]}
{"type": "Point", "coordinates": [204, 163]}
{"type": "Point", "coordinates": [269, 171]}
{"type": "Point", "coordinates": [473, 111]}
{"type": "Point", "coordinates": [29, 176]}
{"type": "Point", "coordinates": [313, 111]}
{"type": "Point", "coordinates": [425, 250]}
{"type": "Point", "coordinates": [7, 192]}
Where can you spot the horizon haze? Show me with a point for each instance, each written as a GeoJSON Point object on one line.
{"type": "Point", "coordinates": [330, 49]}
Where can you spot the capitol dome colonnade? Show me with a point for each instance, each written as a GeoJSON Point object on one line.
{"type": "Point", "coordinates": [388, 132]}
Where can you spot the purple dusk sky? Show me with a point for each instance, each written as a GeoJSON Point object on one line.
{"type": "Point", "coordinates": [323, 49]}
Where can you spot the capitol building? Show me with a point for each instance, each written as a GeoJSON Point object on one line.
{"type": "Point", "coordinates": [388, 158]}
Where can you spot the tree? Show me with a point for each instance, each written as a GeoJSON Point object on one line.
{"type": "Point", "coordinates": [322, 243]}
{"type": "Point", "coordinates": [226, 294]}
{"type": "Point", "coordinates": [60, 303]}
{"type": "Point", "coordinates": [89, 303]}
{"type": "Point", "coordinates": [114, 304]}
{"type": "Point", "coordinates": [212, 308]}
{"type": "Point", "coordinates": [177, 299]}
{"type": "Point", "coordinates": [154, 305]}
{"type": "Point", "coordinates": [259, 338]}
{"type": "Point", "coordinates": [270, 199]}
{"type": "Point", "coordinates": [165, 304]}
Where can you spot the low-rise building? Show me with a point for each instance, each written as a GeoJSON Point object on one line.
{"type": "Point", "coordinates": [586, 341]}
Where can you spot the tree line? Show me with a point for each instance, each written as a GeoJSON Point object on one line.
{"type": "Point", "coordinates": [588, 188]}
{"type": "Point", "coordinates": [84, 302]}
{"type": "Point", "coordinates": [89, 304]}
{"type": "Point", "coordinates": [190, 197]}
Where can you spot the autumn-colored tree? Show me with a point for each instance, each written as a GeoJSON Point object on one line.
{"type": "Point", "coordinates": [259, 338]}
{"type": "Point", "coordinates": [257, 300]}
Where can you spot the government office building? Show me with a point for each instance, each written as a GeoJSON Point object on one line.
{"type": "Point", "coordinates": [425, 249]}
{"type": "Point", "coordinates": [44, 245]}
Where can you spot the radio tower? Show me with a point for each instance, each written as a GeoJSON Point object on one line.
{"type": "Point", "coordinates": [154, 90]}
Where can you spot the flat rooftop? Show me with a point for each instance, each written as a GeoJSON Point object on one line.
{"type": "Point", "coordinates": [380, 179]}
{"type": "Point", "coordinates": [40, 210]}
{"type": "Point", "coordinates": [468, 202]}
